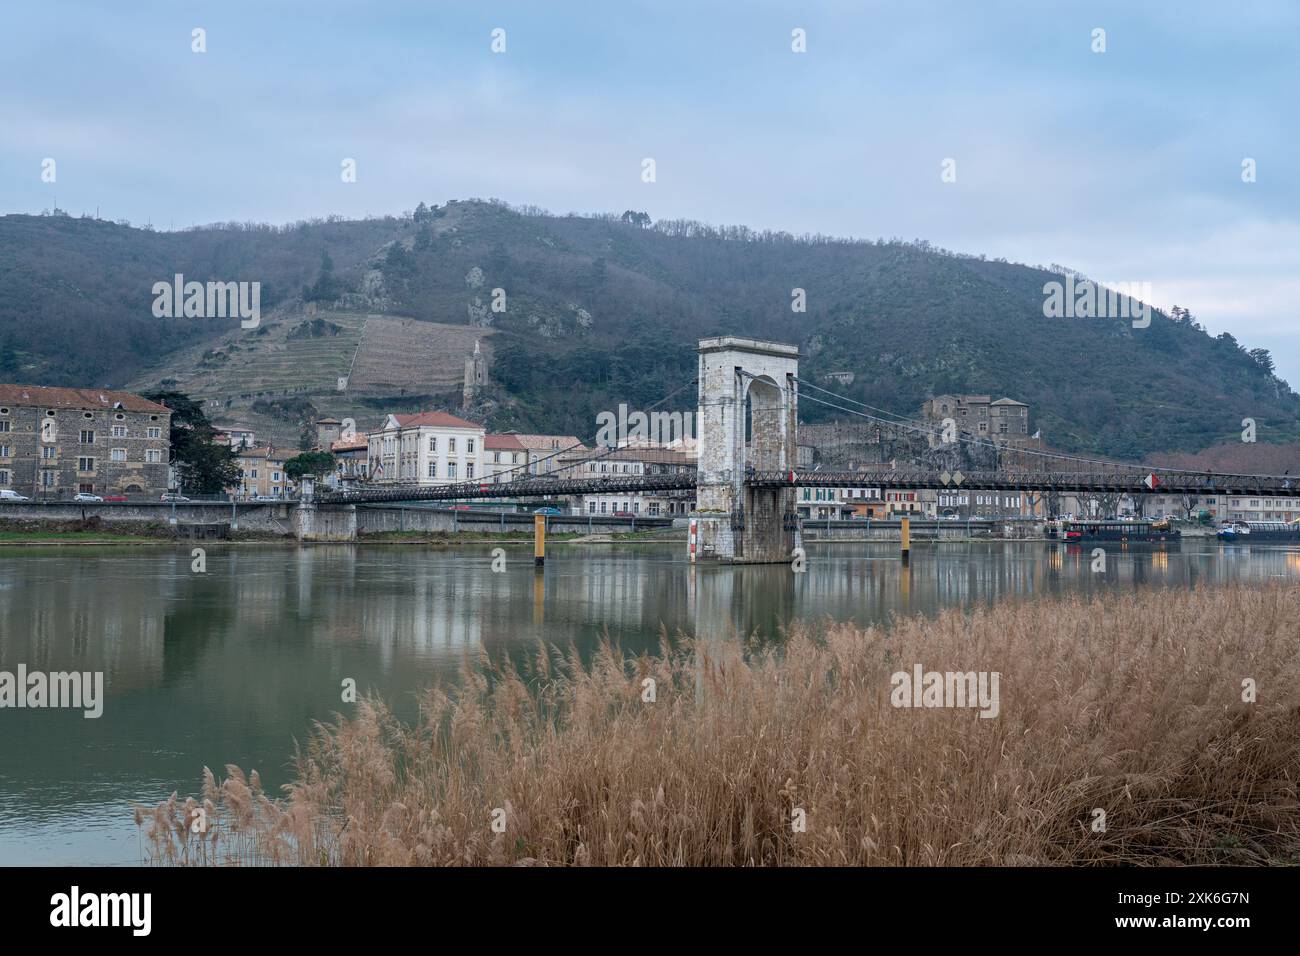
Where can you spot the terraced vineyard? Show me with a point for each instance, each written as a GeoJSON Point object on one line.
{"type": "Point", "coordinates": [281, 361]}
{"type": "Point", "coordinates": [301, 357]}
{"type": "Point", "coordinates": [403, 355]}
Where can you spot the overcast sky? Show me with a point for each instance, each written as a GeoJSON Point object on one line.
{"type": "Point", "coordinates": [1125, 165]}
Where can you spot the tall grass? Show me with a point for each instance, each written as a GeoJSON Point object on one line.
{"type": "Point", "coordinates": [1130, 704]}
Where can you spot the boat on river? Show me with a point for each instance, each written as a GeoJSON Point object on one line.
{"type": "Point", "coordinates": [1244, 532]}
{"type": "Point", "coordinates": [1103, 531]}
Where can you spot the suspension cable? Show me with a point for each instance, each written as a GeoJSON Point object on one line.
{"type": "Point", "coordinates": [1021, 451]}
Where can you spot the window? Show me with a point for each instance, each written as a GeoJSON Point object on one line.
{"type": "Point", "coordinates": [6, 451]}
{"type": "Point", "coordinates": [85, 464]}
{"type": "Point", "coordinates": [87, 437]}
{"type": "Point", "coordinates": [119, 431]}
{"type": "Point", "coordinates": [469, 470]}
{"type": "Point", "coordinates": [451, 468]}
{"type": "Point", "coordinates": [591, 505]}
{"type": "Point", "coordinates": [119, 454]}
{"type": "Point", "coordinates": [155, 431]}
{"type": "Point", "coordinates": [6, 476]}
{"type": "Point", "coordinates": [4, 426]}
{"type": "Point", "coordinates": [433, 445]}
{"type": "Point", "coordinates": [433, 469]}
{"type": "Point", "coordinates": [451, 444]}
{"type": "Point", "coordinates": [602, 507]}
{"type": "Point", "coordinates": [47, 479]}
{"type": "Point", "coordinates": [47, 451]}
{"type": "Point", "coordinates": [153, 456]}
{"type": "Point", "coordinates": [469, 446]}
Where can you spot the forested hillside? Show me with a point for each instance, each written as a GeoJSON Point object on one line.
{"type": "Point", "coordinates": [593, 311]}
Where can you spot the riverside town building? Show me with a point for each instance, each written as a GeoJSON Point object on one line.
{"type": "Point", "coordinates": [56, 442]}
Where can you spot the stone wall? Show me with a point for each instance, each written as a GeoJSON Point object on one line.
{"type": "Point", "coordinates": [373, 519]}
{"type": "Point", "coordinates": [247, 516]}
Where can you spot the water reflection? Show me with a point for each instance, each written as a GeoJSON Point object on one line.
{"type": "Point", "coordinates": [233, 664]}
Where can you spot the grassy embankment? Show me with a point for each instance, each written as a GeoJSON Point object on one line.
{"type": "Point", "coordinates": [72, 537]}
{"type": "Point", "coordinates": [1129, 704]}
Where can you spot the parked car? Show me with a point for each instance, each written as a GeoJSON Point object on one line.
{"type": "Point", "coordinates": [115, 497]}
{"type": "Point", "coordinates": [548, 511]}
{"type": "Point", "coordinates": [169, 496]}
{"type": "Point", "coordinates": [7, 495]}
{"type": "Point", "coordinates": [624, 514]}
{"type": "Point", "coordinates": [265, 498]}
{"type": "Point", "coordinates": [86, 496]}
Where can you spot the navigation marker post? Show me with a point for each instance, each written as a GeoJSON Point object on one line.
{"type": "Point", "coordinates": [539, 540]}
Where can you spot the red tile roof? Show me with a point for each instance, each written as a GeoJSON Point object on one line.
{"type": "Point", "coordinates": [502, 443]}
{"type": "Point", "coordinates": [88, 398]}
{"type": "Point", "coordinates": [436, 419]}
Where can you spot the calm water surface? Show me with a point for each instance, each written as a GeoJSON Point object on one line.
{"type": "Point", "coordinates": [232, 665]}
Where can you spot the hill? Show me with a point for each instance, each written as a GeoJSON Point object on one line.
{"type": "Point", "coordinates": [598, 311]}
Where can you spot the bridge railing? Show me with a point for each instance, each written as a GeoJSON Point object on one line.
{"type": "Point", "coordinates": [534, 487]}
{"type": "Point", "coordinates": [1173, 483]}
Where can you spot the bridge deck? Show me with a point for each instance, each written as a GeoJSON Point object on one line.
{"type": "Point", "coordinates": [1173, 483]}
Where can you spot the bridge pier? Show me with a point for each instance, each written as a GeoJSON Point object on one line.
{"type": "Point", "coordinates": [748, 398]}
{"type": "Point", "coordinates": [315, 522]}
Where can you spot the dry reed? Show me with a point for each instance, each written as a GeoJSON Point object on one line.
{"type": "Point", "coordinates": [1131, 704]}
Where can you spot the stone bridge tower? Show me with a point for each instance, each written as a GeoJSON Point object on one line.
{"type": "Point", "coordinates": [747, 420]}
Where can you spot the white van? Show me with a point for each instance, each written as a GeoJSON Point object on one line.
{"type": "Point", "coordinates": [7, 495]}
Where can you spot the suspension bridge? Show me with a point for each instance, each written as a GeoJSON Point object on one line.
{"type": "Point", "coordinates": [747, 472]}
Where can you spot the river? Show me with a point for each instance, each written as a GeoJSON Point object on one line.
{"type": "Point", "coordinates": [230, 665]}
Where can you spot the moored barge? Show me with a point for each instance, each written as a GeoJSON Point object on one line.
{"type": "Point", "coordinates": [1243, 532]}
{"type": "Point", "coordinates": [1118, 532]}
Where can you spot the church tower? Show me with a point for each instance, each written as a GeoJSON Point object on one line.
{"type": "Point", "coordinates": [475, 376]}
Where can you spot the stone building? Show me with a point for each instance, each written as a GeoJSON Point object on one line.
{"type": "Point", "coordinates": [328, 431]}
{"type": "Point", "coordinates": [475, 376]}
{"type": "Point", "coordinates": [61, 441]}
{"type": "Point", "coordinates": [979, 417]}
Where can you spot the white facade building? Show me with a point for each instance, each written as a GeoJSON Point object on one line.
{"type": "Point", "coordinates": [429, 448]}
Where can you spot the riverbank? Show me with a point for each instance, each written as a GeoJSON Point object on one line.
{"type": "Point", "coordinates": [93, 531]}
{"type": "Point", "coordinates": [1155, 727]}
